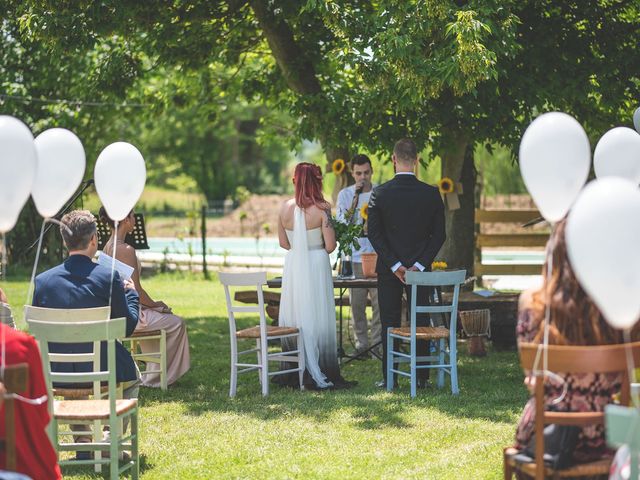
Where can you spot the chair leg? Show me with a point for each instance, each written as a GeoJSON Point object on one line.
{"type": "Point", "coordinates": [301, 361]}
{"type": "Point", "coordinates": [259, 357]}
{"type": "Point", "coordinates": [135, 469]}
{"type": "Point", "coordinates": [97, 437]}
{"type": "Point", "coordinates": [441, 346]}
{"type": "Point", "coordinates": [264, 371]}
{"type": "Point", "coordinates": [114, 440]}
{"type": "Point", "coordinates": [453, 360]}
{"type": "Point", "coordinates": [390, 374]}
{"type": "Point", "coordinates": [163, 360]}
{"type": "Point", "coordinates": [233, 380]}
{"type": "Point", "coordinates": [414, 379]}
{"type": "Point", "coordinates": [506, 468]}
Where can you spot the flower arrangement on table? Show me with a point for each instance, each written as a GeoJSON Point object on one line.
{"type": "Point", "coordinates": [439, 266]}
{"type": "Point", "coordinates": [347, 235]}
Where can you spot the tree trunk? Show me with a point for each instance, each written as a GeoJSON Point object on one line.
{"type": "Point", "coordinates": [300, 74]}
{"type": "Point", "coordinates": [458, 249]}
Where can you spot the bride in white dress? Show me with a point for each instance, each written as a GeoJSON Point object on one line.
{"type": "Point", "coordinates": [307, 300]}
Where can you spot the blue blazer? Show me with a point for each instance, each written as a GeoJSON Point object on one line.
{"type": "Point", "coordinates": [81, 283]}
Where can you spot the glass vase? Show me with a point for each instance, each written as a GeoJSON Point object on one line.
{"type": "Point", "coordinates": [346, 268]}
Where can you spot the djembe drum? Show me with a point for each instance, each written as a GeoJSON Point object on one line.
{"type": "Point", "coordinates": [476, 325]}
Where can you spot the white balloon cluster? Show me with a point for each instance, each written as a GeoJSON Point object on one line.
{"type": "Point", "coordinates": [51, 167]}
{"type": "Point", "coordinates": [603, 227]}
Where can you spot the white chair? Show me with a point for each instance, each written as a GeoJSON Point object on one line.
{"type": "Point", "coordinates": [413, 333]}
{"type": "Point", "coordinates": [159, 357]}
{"type": "Point", "coordinates": [48, 325]}
{"type": "Point", "coordinates": [262, 334]}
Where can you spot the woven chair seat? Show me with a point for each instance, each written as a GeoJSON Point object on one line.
{"type": "Point", "coordinates": [148, 333]}
{"type": "Point", "coordinates": [599, 467]}
{"type": "Point", "coordinates": [272, 331]}
{"type": "Point", "coordinates": [423, 333]}
{"type": "Point", "coordinates": [77, 393]}
{"type": "Point", "coordinates": [90, 409]}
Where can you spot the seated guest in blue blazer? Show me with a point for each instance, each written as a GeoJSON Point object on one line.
{"type": "Point", "coordinates": [81, 283]}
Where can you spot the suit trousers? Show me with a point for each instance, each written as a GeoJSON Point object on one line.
{"type": "Point", "coordinates": [358, 300]}
{"type": "Point", "coordinates": [390, 290]}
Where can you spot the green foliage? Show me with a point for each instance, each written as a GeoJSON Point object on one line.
{"type": "Point", "coordinates": [347, 234]}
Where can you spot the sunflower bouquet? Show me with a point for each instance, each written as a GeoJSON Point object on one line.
{"type": "Point", "coordinates": [347, 235]}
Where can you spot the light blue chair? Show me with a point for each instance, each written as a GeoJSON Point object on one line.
{"type": "Point", "coordinates": [445, 358]}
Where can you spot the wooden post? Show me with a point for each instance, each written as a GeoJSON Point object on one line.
{"type": "Point", "coordinates": [203, 232]}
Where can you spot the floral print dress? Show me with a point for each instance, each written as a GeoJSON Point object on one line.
{"type": "Point", "coordinates": [588, 392]}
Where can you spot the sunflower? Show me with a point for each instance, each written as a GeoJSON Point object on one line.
{"type": "Point", "coordinates": [338, 166]}
{"type": "Point", "coordinates": [445, 185]}
{"type": "Point", "coordinates": [364, 211]}
{"type": "Point", "coordinates": [439, 265]}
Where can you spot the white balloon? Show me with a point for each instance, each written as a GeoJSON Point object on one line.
{"type": "Point", "coordinates": [17, 168]}
{"type": "Point", "coordinates": [61, 164]}
{"type": "Point", "coordinates": [617, 154]}
{"type": "Point", "coordinates": [603, 236]}
{"type": "Point", "coordinates": [120, 175]}
{"type": "Point", "coordinates": [554, 161]}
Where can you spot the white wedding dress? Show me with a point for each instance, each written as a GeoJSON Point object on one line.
{"type": "Point", "coordinates": [307, 300]}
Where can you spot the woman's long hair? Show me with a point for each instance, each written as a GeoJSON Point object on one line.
{"type": "Point", "coordinates": [575, 319]}
{"type": "Point", "coordinates": [307, 179]}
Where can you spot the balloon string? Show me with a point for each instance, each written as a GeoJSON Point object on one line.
{"type": "Point", "coordinates": [113, 263]}
{"type": "Point", "coordinates": [631, 369]}
{"type": "Point", "coordinates": [543, 348]}
{"type": "Point", "coordinates": [3, 274]}
{"type": "Point", "coordinates": [35, 266]}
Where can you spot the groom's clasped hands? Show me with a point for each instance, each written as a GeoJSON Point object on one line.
{"type": "Point", "coordinates": [402, 271]}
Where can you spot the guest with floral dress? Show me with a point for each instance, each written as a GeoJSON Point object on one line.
{"type": "Point", "coordinates": [575, 320]}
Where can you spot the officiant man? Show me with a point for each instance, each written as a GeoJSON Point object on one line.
{"type": "Point", "coordinates": [351, 201]}
{"type": "Point", "coordinates": [406, 229]}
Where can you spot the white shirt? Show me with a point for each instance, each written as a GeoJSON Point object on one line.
{"type": "Point", "coordinates": [345, 199]}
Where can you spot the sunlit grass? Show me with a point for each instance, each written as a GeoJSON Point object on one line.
{"type": "Point", "coordinates": [195, 431]}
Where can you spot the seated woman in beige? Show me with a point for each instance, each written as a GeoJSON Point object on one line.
{"type": "Point", "coordinates": [154, 315]}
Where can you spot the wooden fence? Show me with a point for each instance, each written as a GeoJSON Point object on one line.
{"type": "Point", "coordinates": [523, 237]}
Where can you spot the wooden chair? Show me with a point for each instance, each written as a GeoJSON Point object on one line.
{"type": "Point", "coordinates": [413, 333]}
{"type": "Point", "coordinates": [568, 359]}
{"type": "Point", "coordinates": [261, 333]}
{"type": "Point", "coordinates": [159, 357]}
{"type": "Point", "coordinates": [6, 316]}
{"type": "Point", "coordinates": [110, 411]}
{"type": "Point", "coordinates": [15, 381]}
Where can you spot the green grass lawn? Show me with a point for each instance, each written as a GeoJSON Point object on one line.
{"type": "Point", "coordinates": [195, 431]}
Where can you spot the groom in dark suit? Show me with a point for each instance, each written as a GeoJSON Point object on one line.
{"type": "Point", "coordinates": [406, 229]}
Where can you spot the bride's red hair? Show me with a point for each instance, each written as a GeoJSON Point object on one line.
{"type": "Point", "coordinates": [307, 179]}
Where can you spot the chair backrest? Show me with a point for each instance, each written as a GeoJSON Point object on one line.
{"type": "Point", "coordinates": [435, 279]}
{"type": "Point", "coordinates": [253, 279]}
{"type": "Point", "coordinates": [66, 314]}
{"type": "Point", "coordinates": [94, 332]}
{"type": "Point", "coordinates": [573, 359]}
{"type": "Point", "coordinates": [6, 316]}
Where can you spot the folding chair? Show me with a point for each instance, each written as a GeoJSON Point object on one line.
{"type": "Point", "coordinates": [413, 333]}
{"type": "Point", "coordinates": [262, 334]}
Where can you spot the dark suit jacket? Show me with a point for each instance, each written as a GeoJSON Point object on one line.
{"type": "Point", "coordinates": [81, 283]}
{"type": "Point", "coordinates": [406, 223]}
